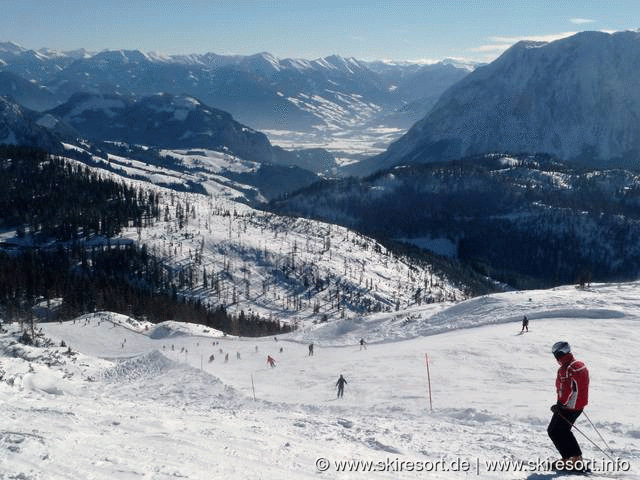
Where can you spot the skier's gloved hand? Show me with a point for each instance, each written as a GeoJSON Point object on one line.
{"type": "Point", "coordinates": [556, 408]}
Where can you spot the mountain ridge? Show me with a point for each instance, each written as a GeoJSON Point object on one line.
{"type": "Point", "coordinates": [573, 98]}
{"type": "Point", "coordinates": [259, 90]}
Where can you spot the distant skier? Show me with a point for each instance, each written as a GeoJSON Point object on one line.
{"type": "Point", "coordinates": [311, 349]}
{"type": "Point", "coordinates": [271, 361]}
{"type": "Point", "coordinates": [525, 324]}
{"type": "Point", "coordinates": [363, 344]}
{"type": "Point", "coordinates": [340, 384]}
{"type": "Point", "coordinates": [572, 386]}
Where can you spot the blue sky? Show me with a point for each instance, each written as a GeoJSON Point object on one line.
{"type": "Point", "coordinates": [394, 30]}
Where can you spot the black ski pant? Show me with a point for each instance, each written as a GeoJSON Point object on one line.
{"type": "Point", "coordinates": [340, 391]}
{"type": "Point", "coordinates": [559, 431]}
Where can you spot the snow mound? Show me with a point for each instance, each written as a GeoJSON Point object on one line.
{"type": "Point", "coordinates": [144, 366]}
{"type": "Point", "coordinates": [172, 329]}
{"type": "Point", "coordinates": [50, 382]}
{"type": "Point", "coordinates": [117, 319]}
{"type": "Point", "coordinates": [163, 380]}
{"type": "Point", "coordinates": [469, 416]}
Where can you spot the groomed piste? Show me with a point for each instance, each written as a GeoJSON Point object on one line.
{"type": "Point", "coordinates": [125, 399]}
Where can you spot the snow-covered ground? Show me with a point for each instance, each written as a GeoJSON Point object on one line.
{"type": "Point", "coordinates": [347, 145]}
{"type": "Point", "coordinates": [145, 401]}
{"type": "Point", "coordinates": [292, 270]}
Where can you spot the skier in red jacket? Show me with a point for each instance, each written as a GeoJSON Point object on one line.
{"type": "Point", "coordinates": [271, 361]}
{"type": "Point", "coordinates": [572, 386]}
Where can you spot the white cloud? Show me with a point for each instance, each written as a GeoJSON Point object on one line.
{"type": "Point", "coordinates": [534, 38]}
{"type": "Point", "coordinates": [580, 21]}
{"type": "Point", "coordinates": [500, 43]}
{"type": "Point", "coordinates": [498, 47]}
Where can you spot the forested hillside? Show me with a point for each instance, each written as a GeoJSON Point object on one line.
{"type": "Point", "coordinates": [64, 216]}
{"type": "Point", "coordinates": [529, 221]}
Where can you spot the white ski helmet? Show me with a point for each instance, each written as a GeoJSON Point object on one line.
{"type": "Point", "coordinates": [560, 348]}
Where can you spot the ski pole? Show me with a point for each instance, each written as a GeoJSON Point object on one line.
{"type": "Point", "coordinates": [598, 432]}
{"type": "Point", "coordinates": [585, 436]}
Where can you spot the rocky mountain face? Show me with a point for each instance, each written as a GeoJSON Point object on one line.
{"type": "Point", "coordinates": [575, 98]}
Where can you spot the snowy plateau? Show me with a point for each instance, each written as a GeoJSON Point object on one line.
{"type": "Point", "coordinates": [126, 400]}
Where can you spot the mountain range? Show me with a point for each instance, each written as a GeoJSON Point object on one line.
{"type": "Point", "coordinates": [574, 98]}
{"type": "Point", "coordinates": [262, 91]}
{"type": "Point", "coordinates": [163, 120]}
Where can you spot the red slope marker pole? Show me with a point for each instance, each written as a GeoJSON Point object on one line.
{"type": "Point", "coordinates": [253, 388]}
{"type": "Point", "coordinates": [426, 361]}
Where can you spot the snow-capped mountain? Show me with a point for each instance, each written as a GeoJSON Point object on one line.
{"type": "Point", "coordinates": [36, 65]}
{"type": "Point", "coordinates": [259, 90]}
{"type": "Point", "coordinates": [141, 128]}
{"type": "Point", "coordinates": [165, 121]}
{"type": "Point", "coordinates": [422, 83]}
{"type": "Point", "coordinates": [178, 122]}
{"type": "Point", "coordinates": [33, 65]}
{"type": "Point", "coordinates": [575, 98]}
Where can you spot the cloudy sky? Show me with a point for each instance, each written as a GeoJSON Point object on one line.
{"type": "Point", "coordinates": [394, 30]}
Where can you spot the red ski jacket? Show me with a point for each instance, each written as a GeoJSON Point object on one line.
{"type": "Point", "coordinates": [572, 383]}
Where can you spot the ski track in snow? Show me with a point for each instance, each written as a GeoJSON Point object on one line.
{"type": "Point", "coordinates": [132, 404]}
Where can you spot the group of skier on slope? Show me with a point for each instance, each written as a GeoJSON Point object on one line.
{"type": "Point", "coordinates": [341, 380]}
{"type": "Point", "coordinates": [572, 388]}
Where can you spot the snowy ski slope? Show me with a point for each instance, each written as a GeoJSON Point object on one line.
{"type": "Point", "coordinates": [141, 401]}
